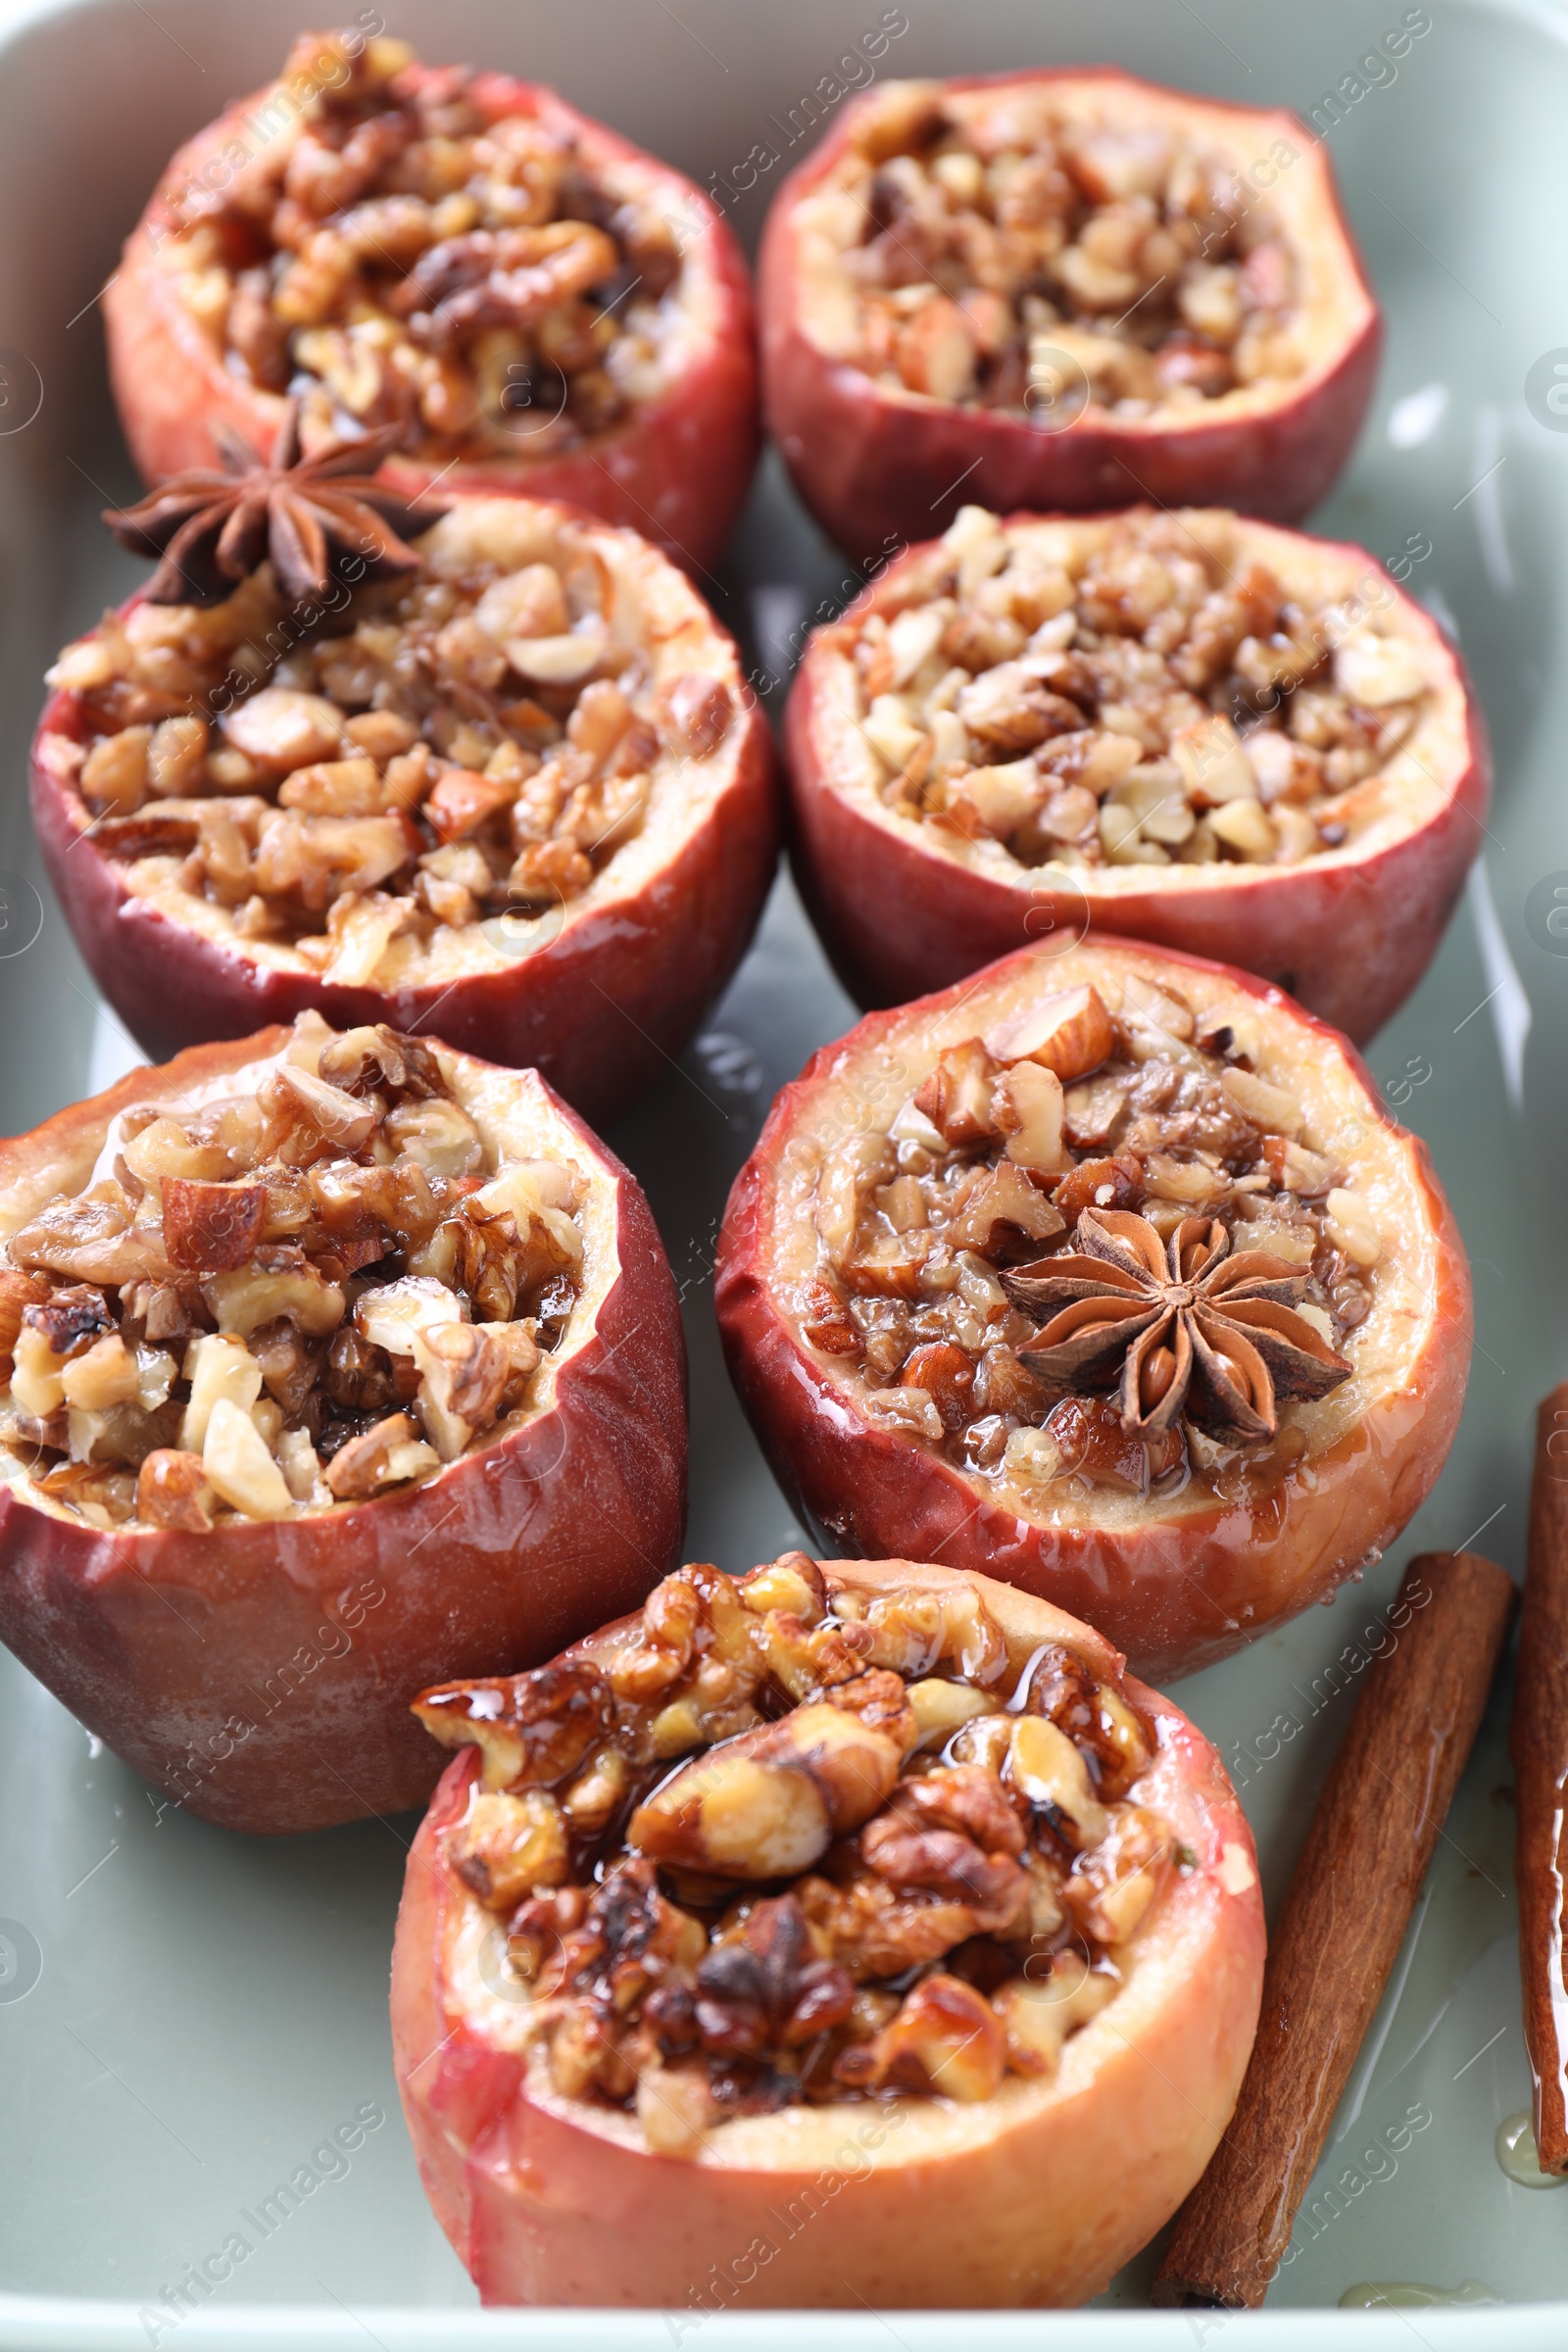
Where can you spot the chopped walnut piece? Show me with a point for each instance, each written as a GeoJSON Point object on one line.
{"type": "Point", "coordinates": [387, 1454]}
{"type": "Point", "coordinates": [507, 1847]}
{"type": "Point", "coordinates": [767, 1803]}
{"type": "Point", "coordinates": [464, 1374]}
{"type": "Point", "coordinates": [946, 2039]}
{"type": "Point", "coordinates": [379, 1059]}
{"type": "Point", "coordinates": [91, 1238]}
{"type": "Point", "coordinates": [274, 1284]}
{"type": "Point", "coordinates": [953, 1833]}
{"type": "Point", "coordinates": [532, 1727]}
{"type": "Point", "coordinates": [1113, 1886]}
{"type": "Point", "coordinates": [1038, 2017]}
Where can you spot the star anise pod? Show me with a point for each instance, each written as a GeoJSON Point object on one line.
{"type": "Point", "coordinates": [319, 518]}
{"type": "Point", "coordinates": [1177, 1327]}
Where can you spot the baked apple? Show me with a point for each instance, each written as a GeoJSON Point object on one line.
{"type": "Point", "coordinates": [854, 1932]}
{"type": "Point", "coordinates": [330, 1361]}
{"type": "Point", "coordinates": [507, 783]}
{"type": "Point", "coordinates": [1060, 289]}
{"type": "Point", "coordinates": [1106, 1272]}
{"type": "Point", "coordinates": [1193, 728]}
{"type": "Point", "coordinates": [528, 301]}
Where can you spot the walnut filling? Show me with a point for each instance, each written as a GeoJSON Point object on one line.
{"type": "Point", "coordinates": [399, 251]}
{"type": "Point", "coordinates": [1002, 249]}
{"type": "Point", "coordinates": [311, 1284]}
{"type": "Point", "coordinates": [1140, 694]}
{"type": "Point", "coordinates": [1095, 1252]}
{"type": "Point", "coordinates": [898, 1863]}
{"type": "Point", "coordinates": [476, 741]}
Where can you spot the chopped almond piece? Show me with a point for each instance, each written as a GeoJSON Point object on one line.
{"type": "Point", "coordinates": [1069, 1032]}
{"type": "Point", "coordinates": [209, 1228]}
{"type": "Point", "coordinates": [957, 1097]}
{"type": "Point", "coordinates": [173, 1489]}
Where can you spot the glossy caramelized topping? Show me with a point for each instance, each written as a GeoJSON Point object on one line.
{"type": "Point", "coordinates": [311, 1283]}
{"type": "Point", "coordinates": [399, 250]}
{"type": "Point", "coordinates": [781, 1839]}
{"type": "Point", "coordinates": [1095, 1250]}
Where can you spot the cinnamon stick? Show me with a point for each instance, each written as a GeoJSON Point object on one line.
{"type": "Point", "coordinates": [1539, 1742]}
{"type": "Point", "coordinates": [1345, 1915]}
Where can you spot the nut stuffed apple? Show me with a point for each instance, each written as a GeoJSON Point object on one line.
{"type": "Point", "coordinates": [1060, 289]}
{"type": "Point", "coordinates": [507, 782]}
{"type": "Point", "coordinates": [330, 1361]}
{"type": "Point", "coordinates": [853, 1933]}
{"type": "Point", "coordinates": [1107, 1272]}
{"type": "Point", "coordinates": [530, 303]}
{"type": "Point", "coordinates": [1190, 727]}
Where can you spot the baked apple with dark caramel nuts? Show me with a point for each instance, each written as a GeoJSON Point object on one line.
{"type": "Point", "coordinates": [1189, 728]}
{"type": "Point", "coordinates": [507, 782]}
{"type": "Point", "coordinates": [1109, 1273]}
{"type": "Point", "coordinates": [330, 1361]}
{"type": "Point", "coordinates": [1060, 289]}
{"type": "Point", "coordinates": [854, 1932]}
{"type": "Point", "coordinates": [529, 301]}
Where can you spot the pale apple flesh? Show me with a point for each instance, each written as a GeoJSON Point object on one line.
{"type": "Point", "coordinates": [1174, 1583]}
{"type": "Point", "coordinates": [1035, 2196]}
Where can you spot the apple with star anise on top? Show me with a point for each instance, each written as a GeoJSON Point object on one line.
{"type": "Point", "coordinates": [1108, 1271]}
{"type": "Point", "coordinates": [483, 766]}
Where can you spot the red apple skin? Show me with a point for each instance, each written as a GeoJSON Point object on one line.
{"type": "Point", "coordinates": [1044, 2208]}
{"type": "Point", "coordinates": [879, 466]}
{"type": "Point", "coordinates": [601, 1010]}
{"type": "Point", "coordinates": [1349, 935]}
{"type": "Point", "coordinates": [677, 471]}
{"type": "Point", "coordinates": [259, 1674]}
{"type": "Point", "coordinates": [1173, 1596]}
